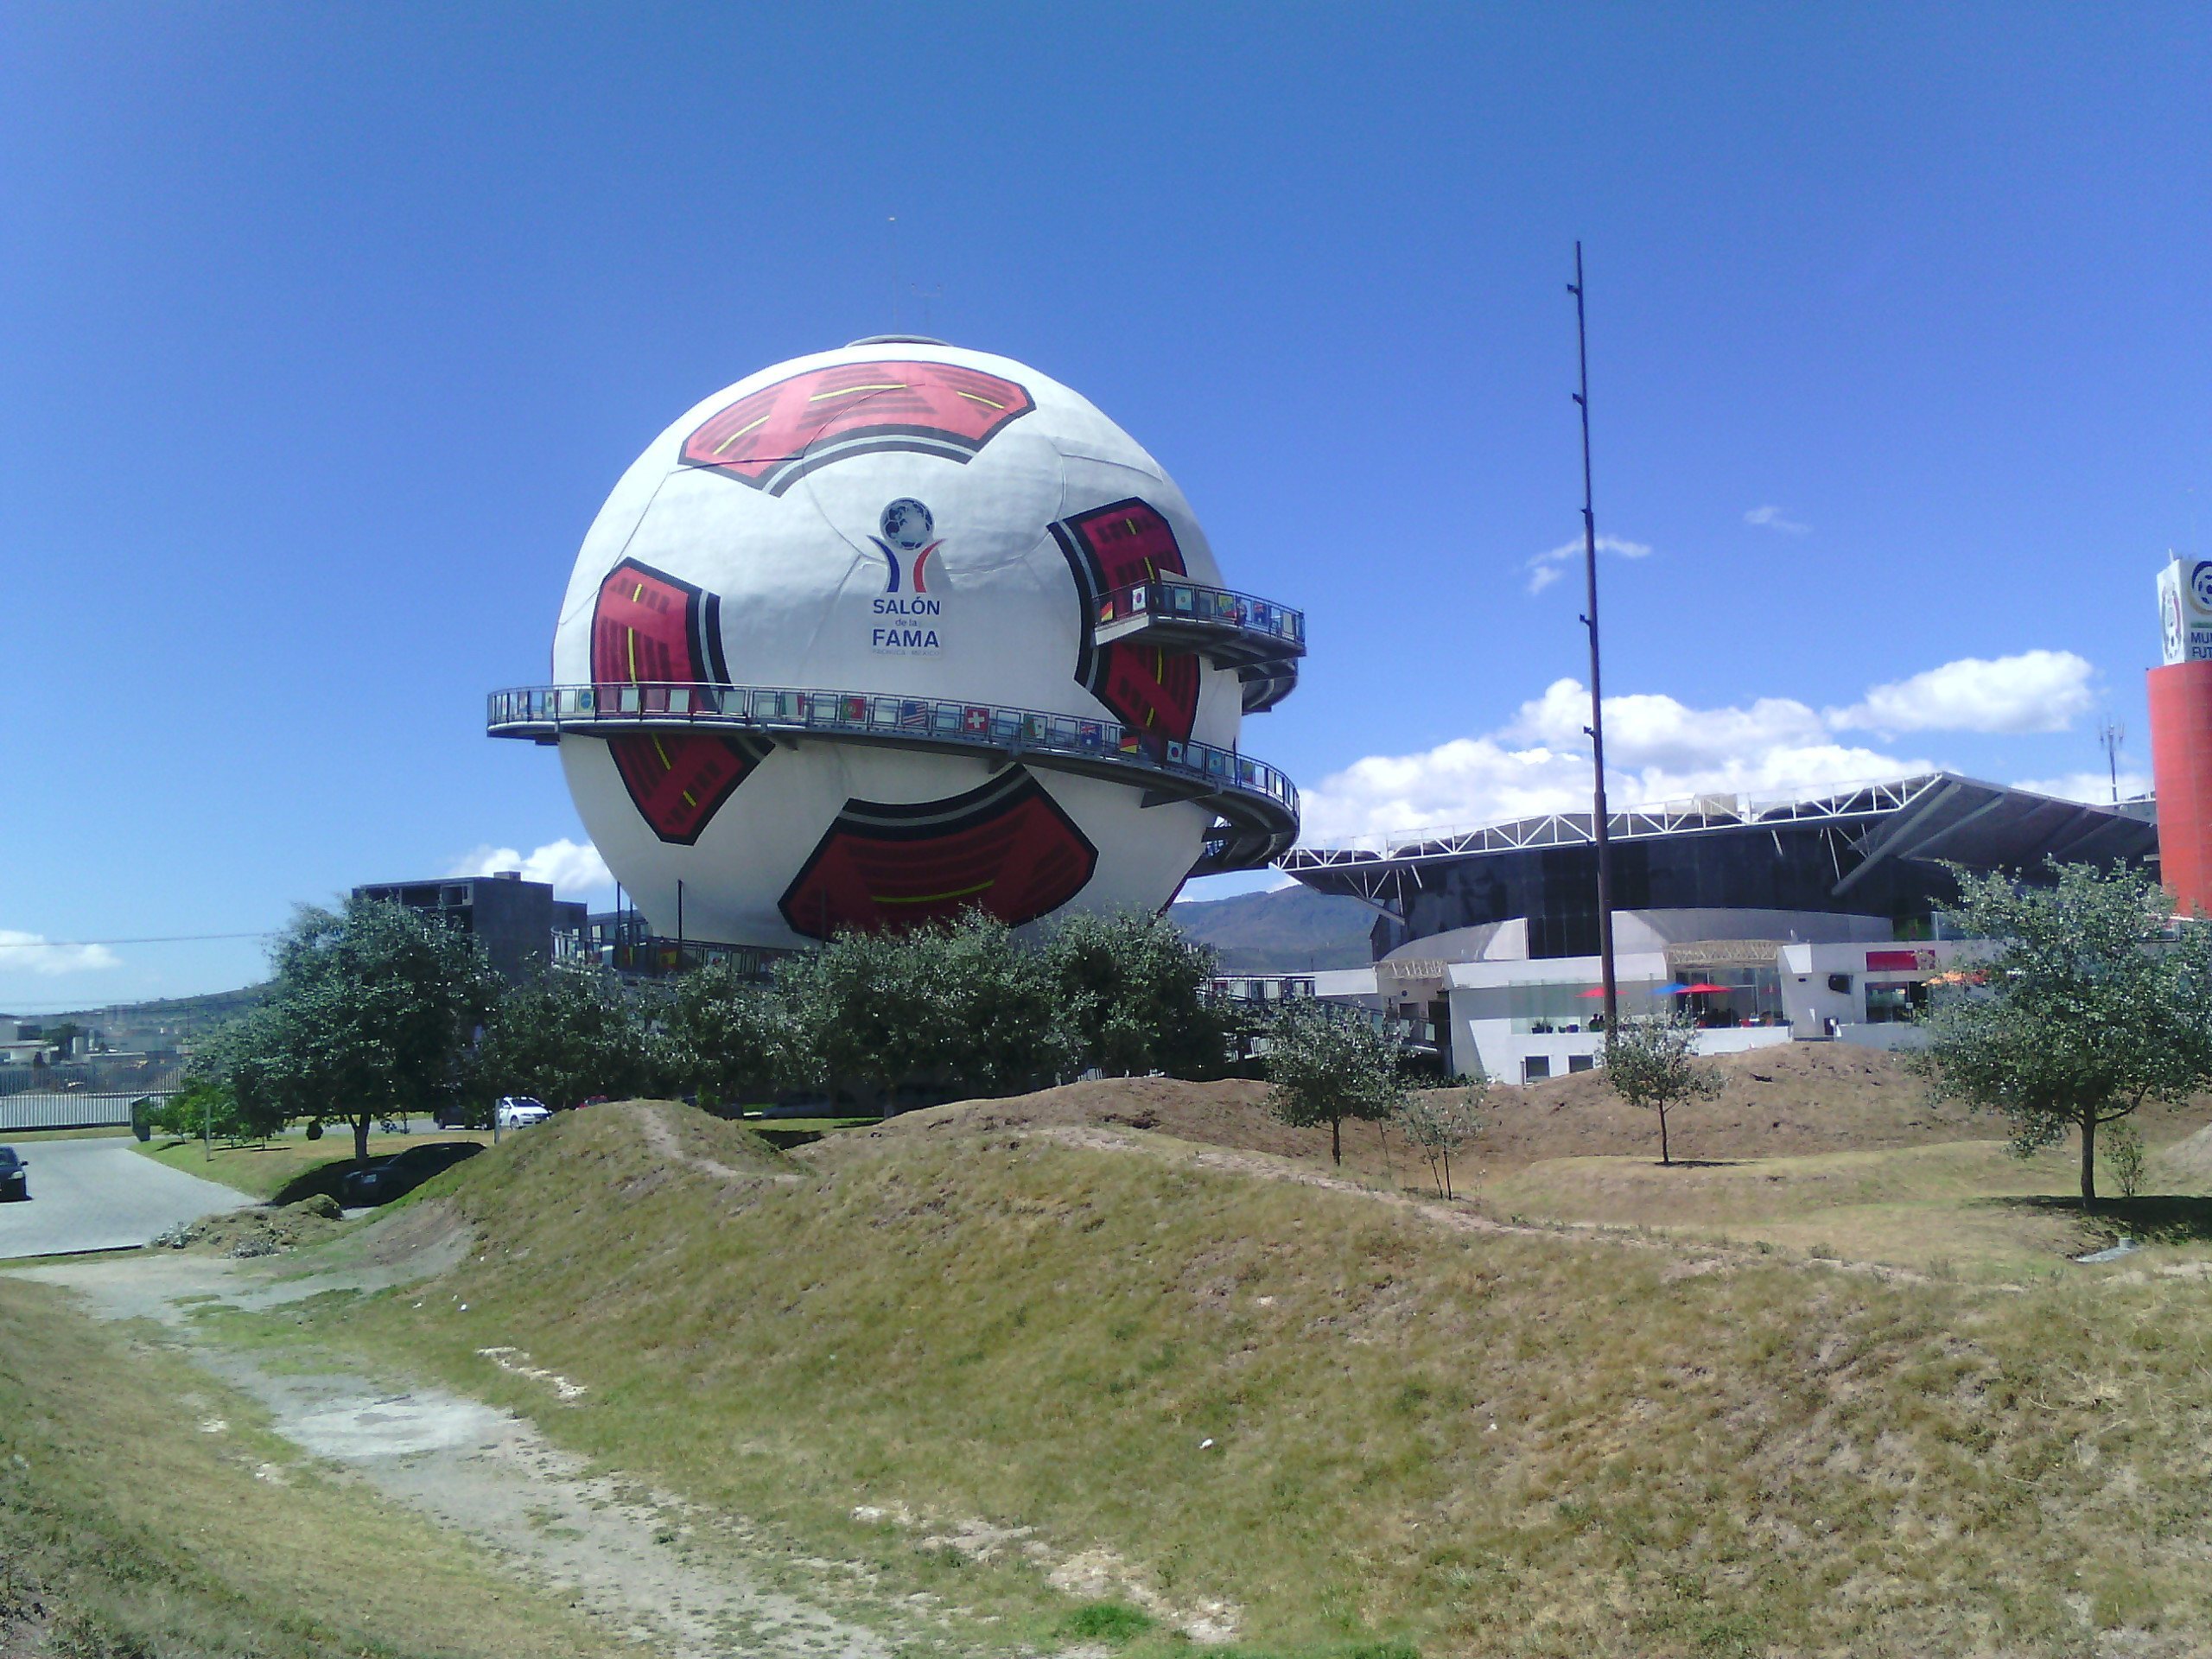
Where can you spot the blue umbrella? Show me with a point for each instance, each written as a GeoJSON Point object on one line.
{"type": "Point", "coordinates": [1675, 988]}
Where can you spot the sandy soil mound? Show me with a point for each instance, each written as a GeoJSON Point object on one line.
{"type": "Point", "coordinates": [261, 1231]}
{"type": "Point", "coordinates": [1791, 1100]}
{"type": "Point", "coordinates": [1232, 1113]}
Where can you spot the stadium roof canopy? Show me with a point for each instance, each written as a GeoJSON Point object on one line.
{"type": "Point", "coordinates": [1936, 816]}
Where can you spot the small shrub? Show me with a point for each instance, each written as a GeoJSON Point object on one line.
{"type": "Point", "coordinates": [2124, 1152]}
{"type": "Point", "coordinates": [1107, 1621]}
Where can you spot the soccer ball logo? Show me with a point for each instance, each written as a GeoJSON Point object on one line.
{"type": "Point", "coordinates": [907, 523]}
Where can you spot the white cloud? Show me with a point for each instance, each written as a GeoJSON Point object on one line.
{"type": "Point", "coordinates": [574, 868]}
{"type": "Point", "coordinates": [1771, 519]}
{"type": "Point", "coordinates": [1544, 569]}
{"type": "Point", "coordinates": [1657, 748]}
{"type": "Point", "coordinates": [1645, 730]}
{"type": "Point", "coordinates": [2035, 691]}
{"type": "Point", "coordinates": [2094, 787]}
{"type": "Point", "coordinates": [34, 953]}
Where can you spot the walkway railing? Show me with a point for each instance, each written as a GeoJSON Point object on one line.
{"type": "Point", "coordinates": [1262, 640]}
{"type": "Point", "coordinates": [1171, 599]}
{"type": "Point", "coordinates": [1257, 802]}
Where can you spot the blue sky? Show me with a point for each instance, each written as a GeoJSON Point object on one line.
{"type": "Point", "coordinates": [327, 329]}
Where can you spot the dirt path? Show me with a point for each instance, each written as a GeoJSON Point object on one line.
{"type": "Point", "coordinates": [661, 1139]}
{"type": "Point", "coordinates": [482, 1473]}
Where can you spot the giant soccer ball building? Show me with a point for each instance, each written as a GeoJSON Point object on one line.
{"type": "Point", "coordinates": [883, 634]}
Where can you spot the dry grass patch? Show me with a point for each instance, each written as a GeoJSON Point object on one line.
{"type": "Point", "coordinates": [144, 1509]}
{"type": "Point", "coordinates": [1481, 1444]}
{"type": "Point", "coordinates": [1969, 1207]}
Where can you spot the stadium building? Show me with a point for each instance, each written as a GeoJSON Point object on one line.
{"type": "Point", "coordinates": [1767, 921]}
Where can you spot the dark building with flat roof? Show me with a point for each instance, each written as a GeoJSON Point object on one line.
{"type": "Point", "coordinates": [520, 924]}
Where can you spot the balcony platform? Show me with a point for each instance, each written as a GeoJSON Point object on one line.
{"type": "Point", "coordinates": [1262, 640]}
{"type": "Point", "coordinates": [1254, 805]}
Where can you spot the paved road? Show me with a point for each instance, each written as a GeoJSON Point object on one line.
{"type": "Point", "coordinates": [99, 1195]}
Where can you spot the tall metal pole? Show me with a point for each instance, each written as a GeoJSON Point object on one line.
{"type": "Point", "coordinates": [1596, 728]}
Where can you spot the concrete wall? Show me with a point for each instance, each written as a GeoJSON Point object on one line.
{"type": "Point", "coordinates": [1890, 1037]}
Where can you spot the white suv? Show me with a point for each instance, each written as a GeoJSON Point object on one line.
{"type": "Point", "coordinates": [516, 1111]}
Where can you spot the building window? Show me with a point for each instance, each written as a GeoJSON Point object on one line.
{"type": "Point", "coordinates": [1581, 1063]}
{"type": "Point", "coordinates": [1729, 995]}
{"type": "Point", "coordinates": [1535, 1068]}
{"type": "Point", "coordinates": [1894, 1002]}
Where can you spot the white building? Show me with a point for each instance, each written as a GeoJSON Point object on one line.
{"type": "Point", "coordinates": [1767, 922]}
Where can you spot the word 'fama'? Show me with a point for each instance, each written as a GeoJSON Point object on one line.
{"type": "Point", "coordinates": [903, 638]}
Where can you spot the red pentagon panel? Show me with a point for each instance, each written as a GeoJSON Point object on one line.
{"type": "Point", "coordinates": [648, 628]}
{"type": "Point", "coordinates": [1006, 849]}
{"type": "Point", "coordinates": [773, 437]}
{"type": "Point", "coordinates": [678, 780]}
{"type": "Point", "coordinates": [1152, 689]}
{"type": "Point", "coordinates": [1127, 542]}
{"type": "Point", "coordinates": [1110, 549]}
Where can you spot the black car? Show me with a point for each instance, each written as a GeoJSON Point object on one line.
{"type": "Point", "coordinates": [388, 1178]}
{"type": "Point", "coordinates": [14, 1183]}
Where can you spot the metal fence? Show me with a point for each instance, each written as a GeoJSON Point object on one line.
{"type": "Point", "coordinates": [78, 1110]}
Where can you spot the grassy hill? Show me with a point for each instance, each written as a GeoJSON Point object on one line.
{"type": "Point", "coordinates": [1030, 1358]}
{"type": "Point", "coordinates": [1292, 929]}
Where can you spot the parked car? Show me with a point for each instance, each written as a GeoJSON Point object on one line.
{"type": "Point", "coordinates": [516, 1111]}
{"type": "Point", "coordinates": [15, 1186]}
{"type": "Point", "coordinates": [475, 1116]}
{"type": "Point", "coordinates": [391, 1177]}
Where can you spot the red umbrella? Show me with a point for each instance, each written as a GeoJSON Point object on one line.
{"type": "Point", "coordinates": [1704, 986]}
{"type": "Point", "coordinates": [1595, 990]}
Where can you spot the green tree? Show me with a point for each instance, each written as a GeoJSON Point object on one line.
{"type": "Point", "coordinates": [1650, 1062]}
{"type": "Point", "coordinates": [736, 1041]}
{"type": "Point", "coordinates": [1439, 1121]}
{"type": "Point", "coordinates": [369, 1012]}
{"type": "Point", "coordinates": [2092, 1004]}
{"type": "Point", "coordinates": [207, 1105]}
{"type": "Point", "coordinates": [957, 1005]}
{"type": "Point", "coordinates": [1326, 1065]}
{"type": "Point", "coordinates": [1137, 993]}
{"type": "Point", "coordinates": [566, 1034]}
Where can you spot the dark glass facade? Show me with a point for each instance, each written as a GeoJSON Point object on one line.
{"type": "Point", "coordinates": [1789, 867]}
